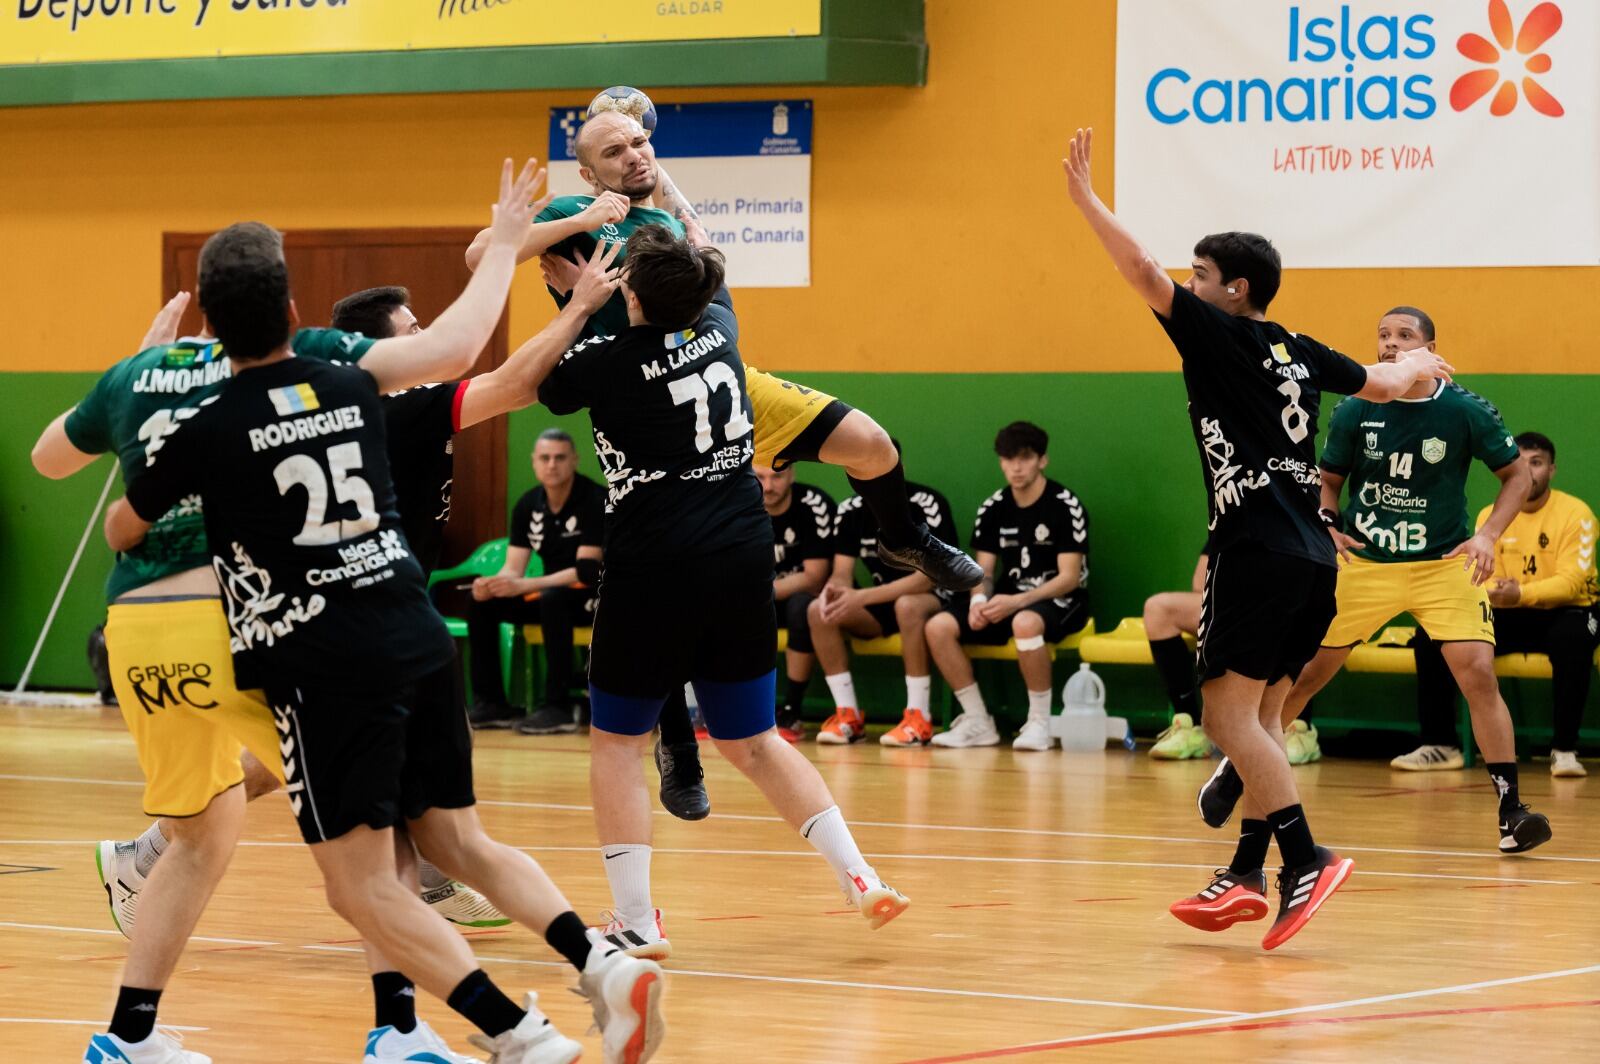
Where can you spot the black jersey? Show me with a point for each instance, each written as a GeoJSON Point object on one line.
{"type": "Point", "coordinates": [803, 531]}
{"type": "Point", "coordinates": [1027, 540]}
{"type": "Point", "coordinates": [320, 586]}
{"type": "Point", "coordinates": [421, 424]}
{"type": "Point", "coordinates": [556, 535]}
{"type": "Point", "coordinates": [855, 531]}
{"type": "Point", "coordinates": [672, 430]}
{"type": "Point", "coordinates": [1255, 389]}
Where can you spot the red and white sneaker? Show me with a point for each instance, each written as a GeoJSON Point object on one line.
{"type": "Point", "coordinates": [877, 900]}
{"type": "Point", "coordinates": [913, 730]}
{"type": "Point", "coordinates": [1301, 892]}
{"type": "Point", "coordinates": [646, 940]}
{"type": "Point", "coordinates": [847, 725]}
{"type": "Point", "coordinates": [1230, 899]}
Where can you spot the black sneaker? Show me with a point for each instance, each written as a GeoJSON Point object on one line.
{"type": "Point", "coordinates": [549, 719]}
{"type": "Point", "coordinates": [683, 789]}
{"type": "Point", "coordinates": [945, 565]}
{"type": "Point", "coordinates": [1219, 794]}
{"type": "Point", "coordinates": [493, 715]}
{"type": "Point", "coordinates": [1522, 829]}
{"type": "Point", "coordinates": [1301, 892]}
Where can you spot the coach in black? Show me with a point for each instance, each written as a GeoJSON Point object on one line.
{"type": "Point", "coordinates": [563, 522]}
{"type": "Point", "coordinates": [1254, 393]}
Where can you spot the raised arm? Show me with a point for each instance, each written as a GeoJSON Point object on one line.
{"type": "Point", "coordinates": [450, 346]}
{"type": "Point", "coordinates": [1388, 381]}
{"type": "Point", "coordinates": [539, 237]}
{"type": "Point", "coordinates": [514, 384]}
{"type": "Point", "coordinates": [1142, 272]}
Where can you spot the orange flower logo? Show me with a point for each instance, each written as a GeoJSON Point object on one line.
{"type": "Point", "coordinates": [1540, 25]}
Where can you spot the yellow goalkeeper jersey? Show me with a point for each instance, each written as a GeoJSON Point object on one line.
{"type": "Point", "coordinates": [1550, 552]}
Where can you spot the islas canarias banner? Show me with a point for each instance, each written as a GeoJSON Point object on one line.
{"type": "Point", "coordinates": [86, 31]}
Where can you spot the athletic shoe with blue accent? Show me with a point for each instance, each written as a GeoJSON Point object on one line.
{"type": "Point", "coordinates": [162, 1047]}
{"type": "Point", "coordinates": [421, 1045]}
{"type": "Point", "coordinates": [533, 1041]}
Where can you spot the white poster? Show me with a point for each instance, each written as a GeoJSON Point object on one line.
{"type": "Point", "coordinates": [746, 167]}
{"type": "Point", "coordinates": [1363, 133]}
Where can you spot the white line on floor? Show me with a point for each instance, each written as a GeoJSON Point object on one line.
{"type": "Point", "coordinates": [89, 1023]}
{"type": "Point", "coordinates": [105, 931]}
{"type": "Point", "coordinates": [941, 991]}
{"type": "Point", "coordinates": [1251, 1017]}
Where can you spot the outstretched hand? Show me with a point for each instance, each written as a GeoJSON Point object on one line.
{"type": "Point", "coordinates": [164, 327]}
{"type": "Point", "coordinates": [1428, 364]}
{"type": "Point", "coordinates": [515, 209]}
{"type": "Point", "coordinates": [1477, 556]}
{"type": "Point", "coordinates": [1344, 544]}
{"type": "Point", "coordinates": [1078, 167]}
{"type": "Point", "coordinates": [597, 278]}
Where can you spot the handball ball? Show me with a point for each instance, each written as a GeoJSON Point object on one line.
{"type": "Point", "coordinates": [626, 100]}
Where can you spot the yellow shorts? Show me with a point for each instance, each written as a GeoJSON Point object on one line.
{"type": "Point", "coordinates": [173, 674]}
{"type": "Point", "coordinates": [782, 411]}
{"type": "Point", "coordinates": [1438, 593]}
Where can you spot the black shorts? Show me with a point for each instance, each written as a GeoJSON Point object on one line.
{"type": "Point", "coordinates": [1263, 614]}
{"type": "Point", "coordinates": [343, 756]}
{"type": "Point", "coordinates": [711, 620]}
{"type": "Point", "coordinates": [883, 613]}
{"type": "Point", "coordinates": [438, 767]}
{"type": "Point", "coordinates": [806, 446]}
{"type": "Point", "coordinates": [1060, 620]}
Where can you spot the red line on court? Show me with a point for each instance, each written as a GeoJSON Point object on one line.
{"type": "Point", "coordinates": [1497, 886]}
{"type": "Point", "coordinates": [714, 919]}
{"type": "Point", "coordinates": [1114, 1039]}
{"type": "Point", "coordinates": [981, 905]}
{"type": "Point", "coordinates": [1366, 890]}
{"type": "Point", "coordinates": [473, 934]}
{"type": "Point", "coordinates": [229, 949]}
{"type": "Point", "coordinates": [1104, 899]}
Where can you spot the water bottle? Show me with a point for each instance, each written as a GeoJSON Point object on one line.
{"type": "Point", "coordinates": [1083, 718]}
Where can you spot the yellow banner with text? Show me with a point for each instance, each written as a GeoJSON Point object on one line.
{"type": "Point", "coordinates": [86, 31]}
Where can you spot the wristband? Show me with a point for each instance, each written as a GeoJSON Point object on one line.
{"type": "Point", "coordinates": [1331, 518]}
{"type": "Point", "coordinates": [978, 599]}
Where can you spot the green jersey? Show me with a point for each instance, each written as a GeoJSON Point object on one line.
{"type": "Point", "coordinates": [133, 409]}
{"type": "Point", "coordinates": [1405, 465]}
{"type": "Point", "coordinates": [612, 318]}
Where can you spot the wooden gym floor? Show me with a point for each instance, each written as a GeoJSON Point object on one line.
{"type": "Point", "coordinates": [1038, 930]}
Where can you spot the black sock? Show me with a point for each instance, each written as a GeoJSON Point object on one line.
{"type": "Point", "coordinates": [394, 1000]}
{"type": "Point", "coordinates": [794, 697]}
{"type": "Point", "coordinates": [1289, 827]}
{"type": "Point", "coordinates": [569, 937]}
{"type": "Point", "coordinates": [1175, 662]}
{"type": "Point", "coordinates": [135, 1015]}
{"type": "Point", "coordinates": [484, 1005]}
{"type": "Point", "coordinates": [676, 727]}
{"type": "Point", "coordinates": [1251, 856]}
{"type": "Point", "coordinates": [1504, 774]}
{"type": "Point", "coordinates": [890, 503]}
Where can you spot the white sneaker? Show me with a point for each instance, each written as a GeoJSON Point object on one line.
{"type": "Point", "coordinates": [533, 1041]}
{"type": "Point", "coordinates": [422, 1043]}
{"type": "Point", "coordinates": [969, 729]}
{"type": "Point", "coordinates": [1035, 735]}
{"type": "Point", "coordinates": [876, 900]}
{"type": "Point", "coordinates": [1564, 764]}
{"type": "Point", "coordinates": [1429, 759]}
{"type": "Point", "coordinates": [119, 875]}
{"type": "Point", "coordinates": [460, 904]}
{"type": "Point", "coordinates": [162, 1047]}
{"type": "Point", "coordinates": [625, 994]}
{"type": "Point", "coordinates": [647, 940]}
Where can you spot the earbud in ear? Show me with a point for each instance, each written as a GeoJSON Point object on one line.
{"type": "Point", "coordinates": [1233, 291]}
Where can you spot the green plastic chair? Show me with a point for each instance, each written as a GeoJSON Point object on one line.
{"type": "Point", "coordinates": [489, 558]}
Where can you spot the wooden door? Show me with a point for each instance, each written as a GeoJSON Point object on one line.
{"type": "Point", "coordinates": [327, 264]}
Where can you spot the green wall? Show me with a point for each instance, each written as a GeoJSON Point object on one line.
{"type": "Point", "coordinates": [1121, 441]}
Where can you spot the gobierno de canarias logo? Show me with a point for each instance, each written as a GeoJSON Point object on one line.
{"type": "Point", "coordinates": [1540, 25]}
{"type": "Point", "coordinates": [1383, 67]}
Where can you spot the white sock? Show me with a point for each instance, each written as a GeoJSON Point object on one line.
{"type": "Point", "coordinates": [971, 700]}
{"type": "Point", "coordinates": [843, 688]}
{"type": "Point", "coordinates": [147, 848]}
{"type": "Point", "coordinates": [432, 878]}
{"type": "Point", "coordinates": [828, 832]}
{"type": "Point", "coordinates": [1039, 706]}
{"type": "Point", "coordinates": [919, 692]}
{"type": "Point", "coordinates": [628, 870]}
